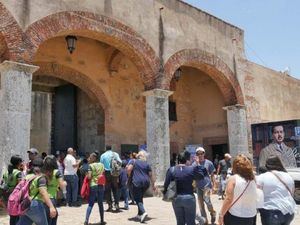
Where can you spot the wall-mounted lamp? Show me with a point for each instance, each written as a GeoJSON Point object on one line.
{"type": "Point", "coordinates": [71, 43]}
{"type": "Point", "coordinates": [177, 74]}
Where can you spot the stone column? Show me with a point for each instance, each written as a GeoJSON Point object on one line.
{"type": "Point", "coordinates": [15, 109]}
{"type": "Point", "coordinates": [158, 137]}
{"type": "Point", "coordinates": [237, 129]}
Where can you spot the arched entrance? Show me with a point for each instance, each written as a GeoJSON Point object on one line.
{"type": "Point", "coordinates": [206, 86]}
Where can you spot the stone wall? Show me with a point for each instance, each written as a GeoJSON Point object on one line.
{"type": "Point", "coordinates": [90, 124]}
{"type": "Point", "coordinates": [271, 95]}
{"type": "Point", "coordinates": [204, 31]}
{"type": "Point", "coordinates": [40, 130]}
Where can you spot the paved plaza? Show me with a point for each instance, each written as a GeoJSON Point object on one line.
{"type": "Point", "coordinates": [160, 213]}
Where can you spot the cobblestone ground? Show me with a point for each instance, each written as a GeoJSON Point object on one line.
{"type": "Point", "coordinates": [159, 212]}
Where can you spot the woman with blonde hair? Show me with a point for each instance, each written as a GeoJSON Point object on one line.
{"type": "Point", "coordinates": [239, 206]}
{"type": "Point", "coordinates": [141, 177]}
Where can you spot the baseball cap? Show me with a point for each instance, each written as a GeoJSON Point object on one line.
{"type": "Point", "coordinates": [200, 149]}
{"type": "Point", "coordinates": [33, 151]}
{"type": "Point", "coordinates": [227, 155]}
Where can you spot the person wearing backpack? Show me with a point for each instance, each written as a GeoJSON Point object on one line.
{"type": "Point", "coordinates": [10, 180]}
{"type": "Point", "coordinates": [112, 165]}
{"type": "Point", "coordinates": [96, 189]}
{"type": "Point", "coordinates": [54, 181]}
{"type": "Point", "coordinates": [39, 195]}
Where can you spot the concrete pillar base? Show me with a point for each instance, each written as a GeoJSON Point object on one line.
{"type": "Point", "coordinates": [15, 109]}
{"type": "Point", "coordinates": [158, 138]}
{"type": "Point", "coordinates": [237, 129]}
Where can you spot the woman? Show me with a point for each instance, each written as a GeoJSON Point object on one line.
{"type": "Point", "coordinates": [96, 190]}
{"type": "Point", "coordinates": [140, 180]}
{"type": "Point", "coordinates": [39, 195]}
{"type": "Point", "coordinates": [54, 181]}
{"type": "Point", "coordinates": [239, 206]}
{"type": "Point", "coordinates": [278, 187]}
{"type": "Point", "coordinates": [184, 204]}
{"type": "Point", "coordinates": [11, 178]}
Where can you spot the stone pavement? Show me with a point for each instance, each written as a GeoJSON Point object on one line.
{"type": "Point", "coordinates": [159, 212]}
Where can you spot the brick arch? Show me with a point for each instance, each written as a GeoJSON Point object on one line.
{"type": "Point", "coordinates": [78, 79]}
{"type": "Point", "coordinates": [209, 64]}
{"type": "Point", "coordinates": [13, 37]}
{"type": "Point", "coordinates": [100, 28]}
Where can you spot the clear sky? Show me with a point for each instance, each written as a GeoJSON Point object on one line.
{"type": "Point", "coordinates": [271, 29]}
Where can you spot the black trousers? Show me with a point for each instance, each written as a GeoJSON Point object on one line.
{"type": "Point", "coordinates": [234, 220]}
{"type": "Point", "coordinates": [112, 185]}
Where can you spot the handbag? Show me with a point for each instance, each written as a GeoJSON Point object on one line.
{"type": "Point", "coordinates": [101, 179]}
{"type": "Point", "coordinates": [85, 188]}
{"type": "Point", "coordinates": [171, 192]}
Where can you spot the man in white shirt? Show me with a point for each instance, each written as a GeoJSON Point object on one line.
{"type": "Point", "coordinates": [70, 175]}
{"type": "Point", "coordinates": [277, 147]}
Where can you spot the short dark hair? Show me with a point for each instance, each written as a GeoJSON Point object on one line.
{"type": "Point", "coordinates": [273, 127]}
{"type": "Point", "coordinates": [183, 157]}
{"type": "Point", "coordinates": [274, 163]}
{"type": "Point", "coordinates": [107, 147]}
{"type": "Point", "coordinates": [50, 163]}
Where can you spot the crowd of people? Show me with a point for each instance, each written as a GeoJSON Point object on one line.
{"type": "Point", "coordinates": [108, 177]}
{"type": "Point", "coordinates": [58, 180]}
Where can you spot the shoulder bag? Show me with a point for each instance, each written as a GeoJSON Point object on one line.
{"type": "Point", "coordinates": [171, 192]}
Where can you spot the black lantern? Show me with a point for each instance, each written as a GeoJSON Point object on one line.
{"type": "Point", "coordinates": [177, 74]}
{"type": "Point", "coordinates": [71, 43]}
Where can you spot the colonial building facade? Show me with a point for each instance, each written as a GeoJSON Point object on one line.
{"type": "Point", "coordinates": [133, 61]}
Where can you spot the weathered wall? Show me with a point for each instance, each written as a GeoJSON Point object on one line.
{"type": "Point", "coordinates": [40, 130]}
{"type": "Point", "coordinates": [199, 109]}
{"type": "Point", "coordinates": [90, 124]}
{"type": "Point", "coordinates": [271, 95]}
{"type": "Point", "coordinates": [204, 31]}
{"type": "Point", "coordinates": [122, 89]}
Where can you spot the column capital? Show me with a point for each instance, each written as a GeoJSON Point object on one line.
{"type": "Point", "coordinates": [233, 107]}
{"type": "Point", "coordinates": [160, 93]}
{"type": "Point", "coordinates": [21, 67]}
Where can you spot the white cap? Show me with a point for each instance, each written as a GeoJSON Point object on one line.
{"type": "Point", "coordinates": [200, 149]}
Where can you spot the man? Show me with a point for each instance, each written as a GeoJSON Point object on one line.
{"type": "Point", "coordinates": [112, 182]}
{"type": "Point", "coordinates": [70, 175]}
{"type": "Point", "coordinates": [223, 167]}
{"type": "Point", "coordinates": [32, 155]}
{"type": "Point", "coordinates": [277, 147]}
{"type": "Point", "coordinates": [205, 185]}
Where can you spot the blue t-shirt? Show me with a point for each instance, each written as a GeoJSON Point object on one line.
{"type": "Point", "coordinates": [206, 181]}
{"type": "Point", "coordinates": [140, 173]}
{"type": "Point", "coordinates": [184, 176]}
{"type": "Point", "coordinates": [106, 158]}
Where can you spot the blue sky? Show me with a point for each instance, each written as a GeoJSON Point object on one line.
{"type": "Point", "coordinates": [271, 29]}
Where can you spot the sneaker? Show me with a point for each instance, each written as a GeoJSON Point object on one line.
{"type": "Point", "coordinates": [143, 217]}
{"type": "Point", "coordinates": [220, 197]}
{"type": "Point", "coordinates": [85, 223]}
{"type": "Point", "coordinates": [126, 207]}
{"type": "Point", "coordinates": [102, 223]}
{"type": "Point", "coordinates": [110, 209]}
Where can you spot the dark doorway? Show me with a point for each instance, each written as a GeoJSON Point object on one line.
{"type": "Point", "coordinates": [220, 150]}
{"type": "Point", "coordinates": [64, 132]}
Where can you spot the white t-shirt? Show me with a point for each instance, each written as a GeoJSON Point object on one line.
{"type": "Point", "coordinates": [245, 207]}
{"type": "Point", "coordinates": [276, 195]}
{"type": "Point", "coordinates": [69, 161]}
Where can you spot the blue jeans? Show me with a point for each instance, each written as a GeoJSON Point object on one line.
{"type": "Point", "coordinates": [51, 221]}
{"type": "Point", "coordinates": [96, 192]}
{"type": "Point", "coordinates": [72, 188]}
{"type": "Point", "coordinates": [275, 217]}
{"type": "Point", "coordinates": [185, 209]}
{"type": "Point", "coordinates": [204, 196]}
{"type": "Point", "coordinates": [36, 214]}
{"type": "Point", "coordinates": [138, 193]}
{"type": "Point", "coordinates": [125, 193]}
